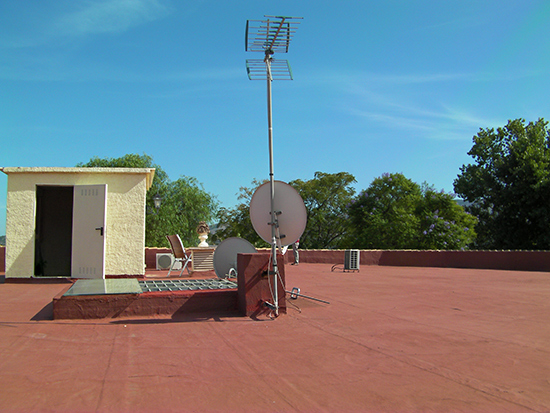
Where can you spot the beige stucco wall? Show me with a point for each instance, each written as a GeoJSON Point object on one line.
{"type": "Point", "coordinates": [125, 215]}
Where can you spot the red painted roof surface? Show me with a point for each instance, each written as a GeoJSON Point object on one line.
{"type": "Point", "coordinates": [393, 339]}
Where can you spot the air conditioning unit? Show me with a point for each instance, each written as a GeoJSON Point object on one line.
{"type": "Point", "coordinates": [164, 262]}
{"type": "Point", "coordinates": [351, 260]}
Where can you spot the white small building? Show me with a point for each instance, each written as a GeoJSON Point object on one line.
{"type": "Point", "coordinates": [76, 222]}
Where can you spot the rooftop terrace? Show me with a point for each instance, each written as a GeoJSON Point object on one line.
{"type": "Point", "coordinates": [393, 339]}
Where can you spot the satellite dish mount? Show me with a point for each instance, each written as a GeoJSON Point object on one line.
{"type": "Point", "coordinates": [270, 36]}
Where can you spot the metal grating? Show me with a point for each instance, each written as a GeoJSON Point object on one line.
{"type": "Point", "coordinates": [186, 285]}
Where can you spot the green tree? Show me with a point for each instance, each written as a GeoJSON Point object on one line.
{"type": "Point", "coordinates": [235, 222]}
{"type": "Point", "coordinates": [184, 201]}
{"type": "Point", "coordinates": [326, 197]}
{"type": "Point", "coordinates": [383, 214]}
{"type": "Point", "coordinates": [508, 186]}
{"type": "Point", "coordinates": [397, 213]}
{"type": "Point", "coordinates": [444, 224]}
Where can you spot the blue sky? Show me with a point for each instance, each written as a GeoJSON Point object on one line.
{"type": "Point", "coordinates": [379, 86]}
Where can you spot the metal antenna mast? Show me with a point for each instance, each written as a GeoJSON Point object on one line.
{"type": "Point", "coordinates": [270, 36]}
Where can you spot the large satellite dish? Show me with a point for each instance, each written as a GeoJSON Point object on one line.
{"type": "Point", "coordinates": [225, 255]}
{"type": "Point", "coordinates": [289, 208]}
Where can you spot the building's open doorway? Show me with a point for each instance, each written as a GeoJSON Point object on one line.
{"type": "Point", "coordinates": [54, 224]}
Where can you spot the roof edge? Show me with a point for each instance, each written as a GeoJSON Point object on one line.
{"type": "Point", "coordinates": [150, 172]}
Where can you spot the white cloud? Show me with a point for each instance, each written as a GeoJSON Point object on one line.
{"type": "Point", "coordinates": [46, 24]}
{"type": "Point", "coordinates": [110, 16]}
{"type": "Point", "coordinates": [445, 123]}
{"type": "Point", "coordinates": [425, 105]}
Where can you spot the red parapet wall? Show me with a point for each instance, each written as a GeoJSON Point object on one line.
{"type": "Point", "coordinates": [494, 260]}
{"type": "Point", "coordinates": [151, 256]}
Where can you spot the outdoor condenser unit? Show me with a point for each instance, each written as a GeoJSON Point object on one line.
{"type": "Point", "coordinates": [164, 261]}
{"type": "Point", "coordinates": [351, 260]}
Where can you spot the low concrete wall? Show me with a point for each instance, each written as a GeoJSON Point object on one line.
{"type": "Point", "coordinates": [494, 260]}
{"type": "Point", "coordinates": [497, 260]}
{"type": "Point", "coordinates": [151, 256]}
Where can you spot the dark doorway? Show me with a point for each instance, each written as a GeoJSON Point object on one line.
{"type": "Point", "coordinates": [54, 225]}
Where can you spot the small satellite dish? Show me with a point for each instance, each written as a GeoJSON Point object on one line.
{"type": "Point", "coordinates": [290, 210]}
{"type": "Point", "coordinates": [225, 255]}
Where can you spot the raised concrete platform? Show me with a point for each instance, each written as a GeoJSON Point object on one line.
{"type": "Point", "coordinates": [130, 297]}
{"type": "Point", "coordinates": [112, 298]}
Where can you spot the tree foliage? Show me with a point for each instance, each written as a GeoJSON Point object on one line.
{"type": "Point", "coordinates": [444, 225]}
{"type": "Point", "coordinates": [383, 214]}
{"type": "Point", "coordinates": [508, 186]}
{"type": "Point", "coordinates": [184, 201]}
{"type": "Point", "coordinates": [235, 222]}
{"type": "Point", "coordinates": [326, 198]}
{"type": "Point", "coordinates": [397, 213]}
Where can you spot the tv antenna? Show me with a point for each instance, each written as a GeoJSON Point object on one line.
{"type": "Point", "coordinates": [269, 36]}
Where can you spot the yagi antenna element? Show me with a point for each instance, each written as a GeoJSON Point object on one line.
{"type": "Point", "coordinates": [269, 36]}
{"type": "Point", "coordinates": [272, 34]}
